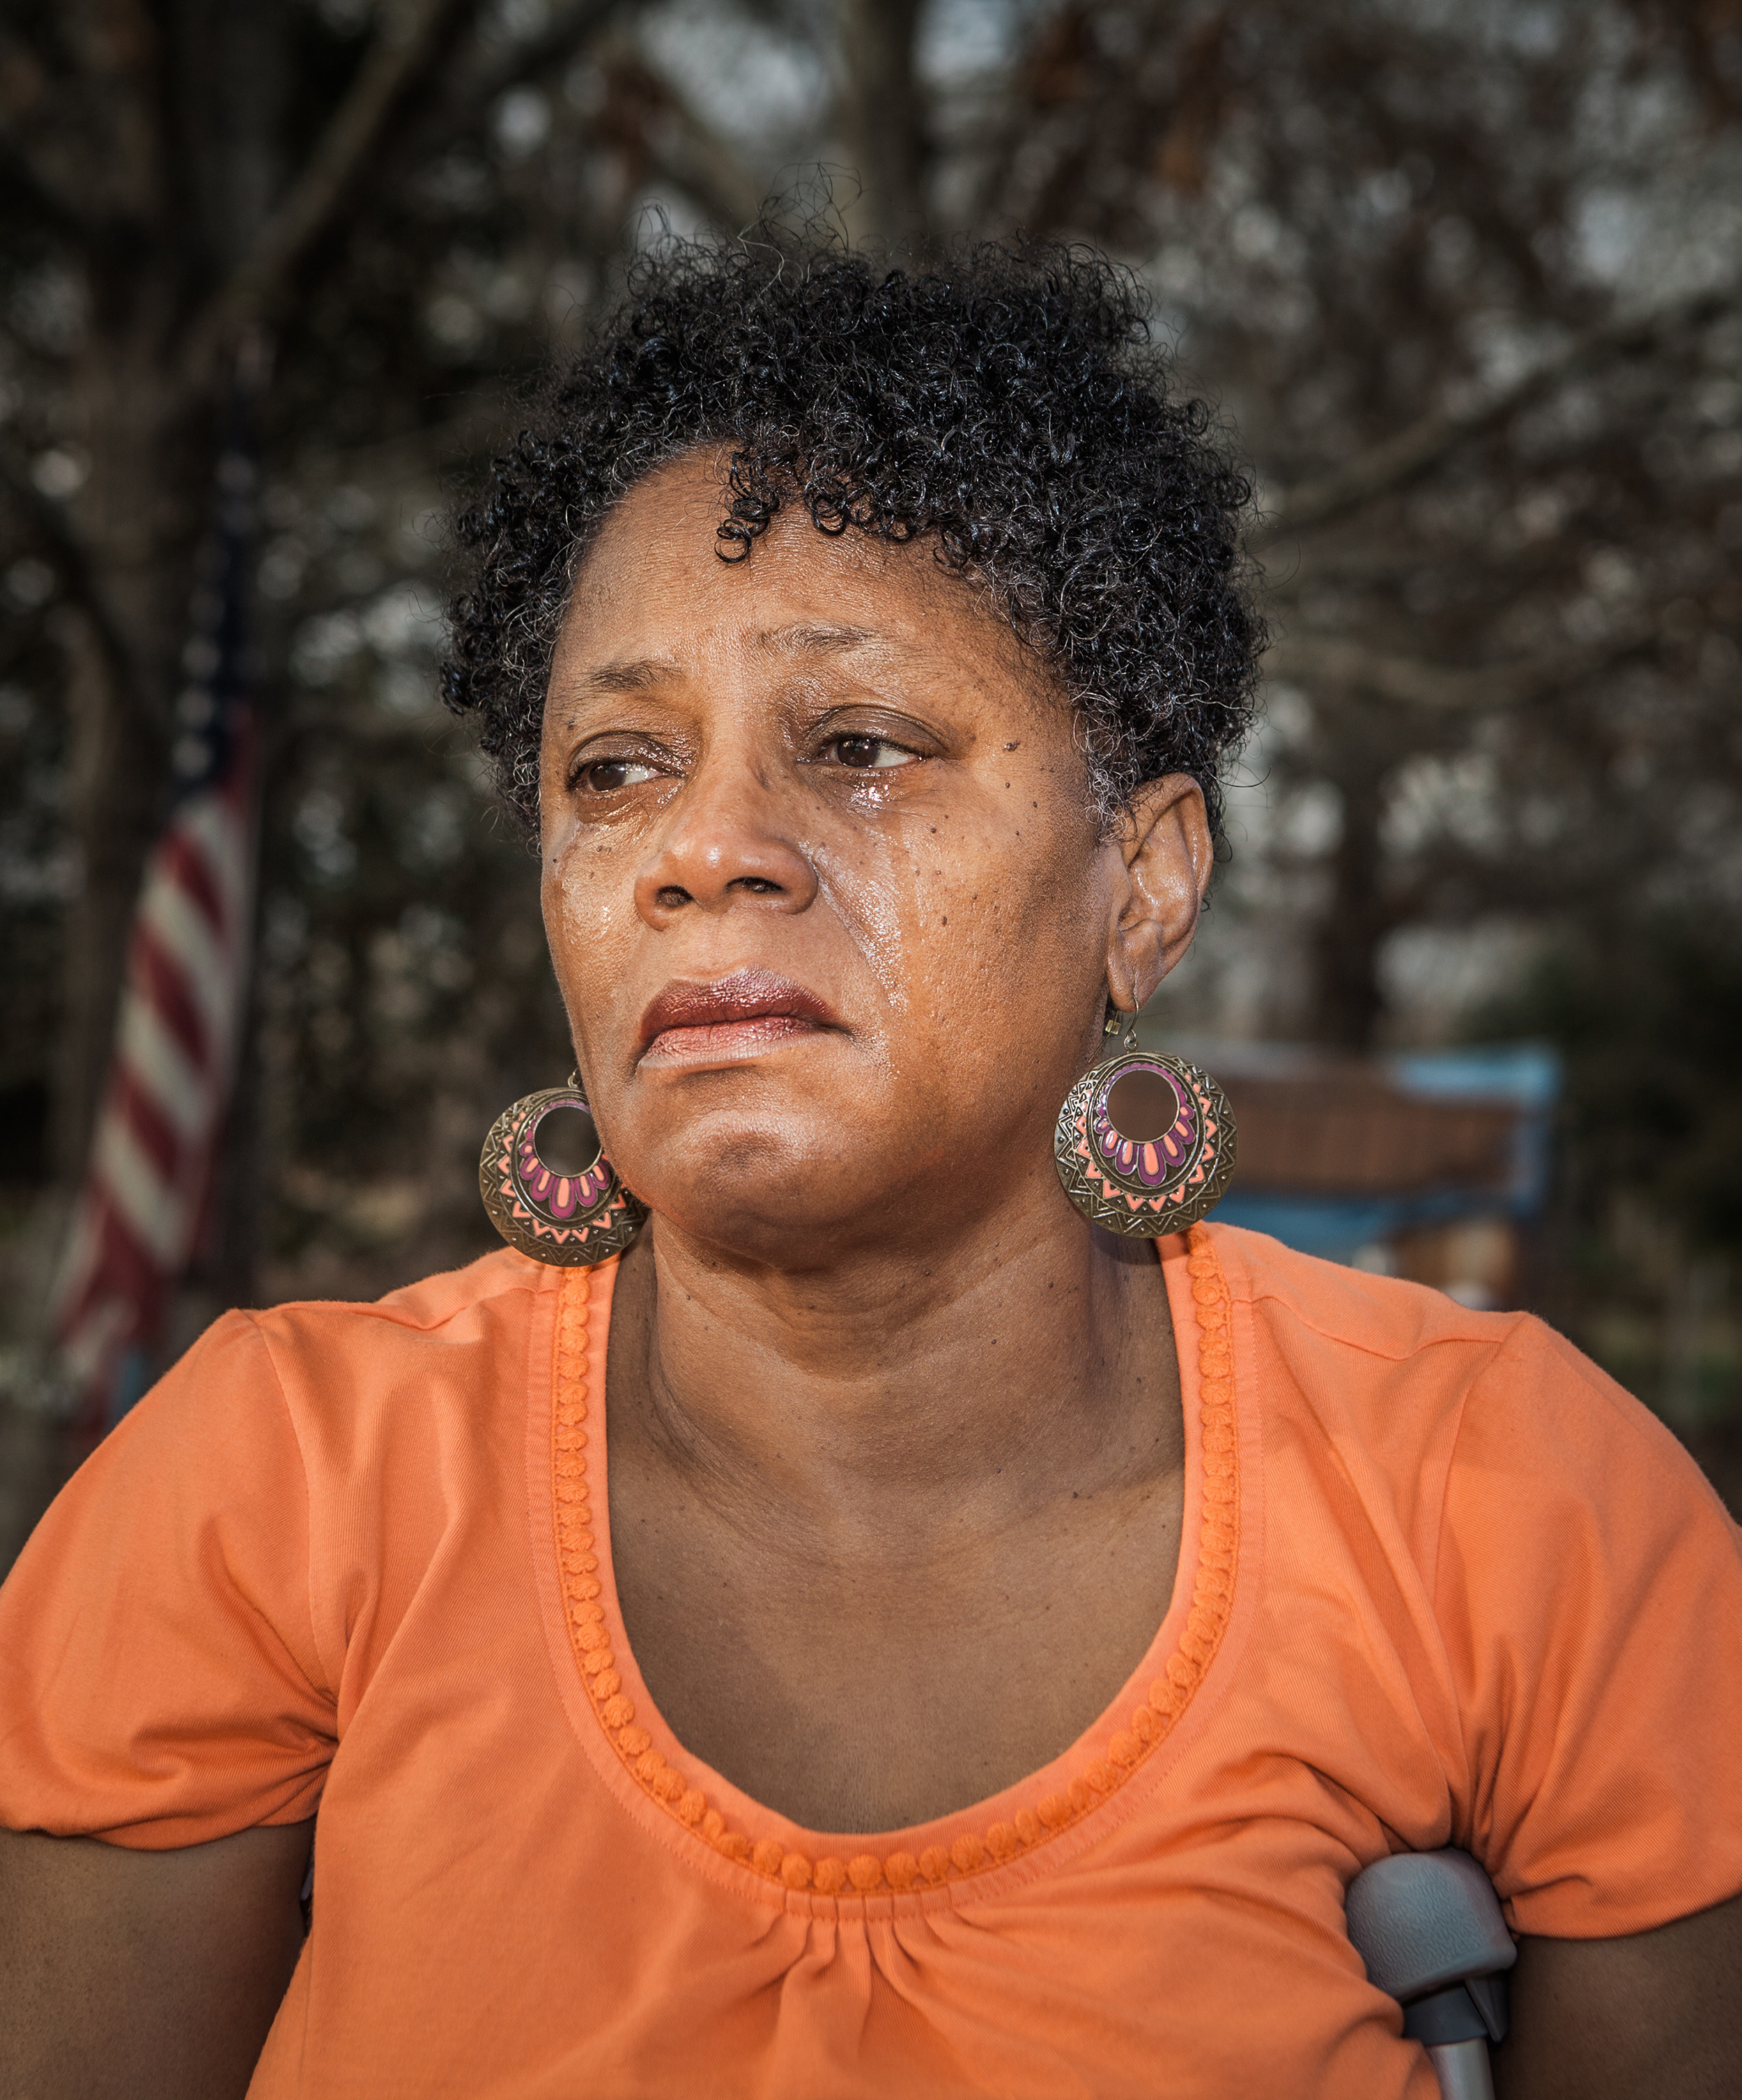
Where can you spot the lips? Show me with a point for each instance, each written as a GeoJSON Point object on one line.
{"type": "Point", "coordinates": [736, 1016]}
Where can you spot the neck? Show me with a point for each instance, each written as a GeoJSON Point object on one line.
{"type": "Point", "coordinates": [886, 1399]}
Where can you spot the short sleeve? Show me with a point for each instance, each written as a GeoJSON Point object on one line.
{"type": "Point", "coordinates": [160, 1683]}
{"type": "Point", "coordinates": [1589, 1587]}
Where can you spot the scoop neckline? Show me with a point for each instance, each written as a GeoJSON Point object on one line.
{"type": "Point", "coordinates": [1044, 1818]}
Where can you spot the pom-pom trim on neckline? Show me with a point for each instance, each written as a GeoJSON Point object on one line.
{"type": "Point", "coordinates": [973, 1852]}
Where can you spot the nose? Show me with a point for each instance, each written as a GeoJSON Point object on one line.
{"type": "Point", "coordinates": [726, 846]}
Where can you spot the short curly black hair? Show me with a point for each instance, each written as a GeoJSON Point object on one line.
{"type": "Point", "coordinates": [1007, 403]}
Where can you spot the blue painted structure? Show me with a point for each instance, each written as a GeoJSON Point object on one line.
{"type": "Point", "coordinates": [1526, 1076]}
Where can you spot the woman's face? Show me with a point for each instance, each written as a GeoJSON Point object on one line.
{"type": "Point", "coordinates": [828, 904]}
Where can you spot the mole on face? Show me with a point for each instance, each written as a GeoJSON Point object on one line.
{"type": "Point", "coordinates": [566, 1139]}
{"type": "Point", "coordinates": [1142, 1106]}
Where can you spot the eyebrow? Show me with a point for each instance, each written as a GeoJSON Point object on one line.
{"type": "Point", "coordinates": [808, 638]}
{"type": "Point", "coordinates": [630, 677]}
{"type": "Point", "coordinates": [803, 638]}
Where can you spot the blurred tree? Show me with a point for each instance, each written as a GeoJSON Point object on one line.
{"type": "Point", "coordinates": [178, 177]}
{"type": "Point", "coordinates": [149, 221]}
{"type": "Point", "coordinates": [1464, 274]}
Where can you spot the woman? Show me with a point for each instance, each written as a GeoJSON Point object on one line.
{"type": "Point", "coordinates": [980, 1652]}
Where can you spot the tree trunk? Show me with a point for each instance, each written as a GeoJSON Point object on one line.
{"type": "Point", "coordinates": [138, 518]}
{"type": "Point", "coordinates": [1348, 1002]}
{"type": "Point", "coordinates": [114, 771]}
{"type": "Point", "coordinates": [884, 119]}
{"type": "Point", "coordinates": [152, 440]}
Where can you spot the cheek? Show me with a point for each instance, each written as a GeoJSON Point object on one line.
{"type": "Point", "coordinates": [1031, 871]}
{"type": "Point", "coordinates": [961, 909]}
{"type": "Point", "coordinates": [587, 904]}
{"type": "Point", "coordinates": [879, 901]}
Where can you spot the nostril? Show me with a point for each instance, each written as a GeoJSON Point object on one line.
{"type": "Point", "coordinates": [758, 885]}
{"type": "Point", "coordinates": [670, 898]}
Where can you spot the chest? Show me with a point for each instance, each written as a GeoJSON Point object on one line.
{"type": "Point", "coordinates": [596, 1960]}
{"type": "Point", "coordinates": [617, 1950]}
{"type": "Point", "coordinates": [889, 1681]}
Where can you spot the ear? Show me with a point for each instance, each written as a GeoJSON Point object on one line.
{"type": "Point", "coordinates": [1169, 856]}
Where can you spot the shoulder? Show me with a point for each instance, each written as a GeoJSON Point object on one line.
{"type": "Point", "coordinates": [1393, 1392]}
{"type": "Point", "coordinates": [1378, 1317]}
{"type": "Point", "coordinates": [490, 1304]}
{"type": "Point", "coordinates": [435, 1306]}
{"type": "Point", "coordinates": [1349, 1343]}
{"type": "Point", "coordinates": [350, 1374]}
{"type": "Point", "coordinates": [1370, 1359]}
{"type": "Point", "coordinates": [1448, 1416]}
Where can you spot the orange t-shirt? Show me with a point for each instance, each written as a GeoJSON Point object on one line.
{"type": "Point", "coordinates": [1441, 1582]}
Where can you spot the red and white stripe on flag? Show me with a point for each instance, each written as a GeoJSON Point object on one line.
{"type": "Point", "coordinates": [139, 1212]}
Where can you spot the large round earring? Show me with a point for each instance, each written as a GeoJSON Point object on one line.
{"type": "Point", "coordinates": [1146, 1143]}
{"type": "Point", "coordinates": [547, 1185]}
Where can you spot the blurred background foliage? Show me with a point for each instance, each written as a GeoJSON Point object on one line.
{"type": "Point", "coordinates": [1466, 276]}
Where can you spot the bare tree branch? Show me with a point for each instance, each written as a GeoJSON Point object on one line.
{"type": "Point", "coordinates": [647, 116]}
{"type": "Point", "coordinates": [29, 121]}
{"type": "Point", "coordinates": [410, 41]}
{"type": "Point", "coordinates": [435, 449]}
{"type": "Point", "coordinates": [557, 41]}
{"type": "Point", "coordinates": [690, 153]}
{"type": "Point", "coordinates": [56, 534]}
{"type": "Point", "coordinates": [1422, 444]}
{"type": "Point", "coordinates": [17, 345]}
{"type": "Point", "coordinates": [52, 204]}
{"type": "Point", "coordinates": [1335, 660]}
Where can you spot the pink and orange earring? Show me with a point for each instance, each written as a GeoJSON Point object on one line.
{"type": "Point", "coordinates": [1146, 1143]}
{"type": "Point", "coordinates": [549, 1189]}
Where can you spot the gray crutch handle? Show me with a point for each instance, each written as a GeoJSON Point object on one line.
{"type": "Point", "coordinates": [1429, 1928]}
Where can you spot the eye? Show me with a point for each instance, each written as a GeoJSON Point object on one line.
{"type": "Point", "coordinates": [868, 754]}
{"type": "Point", "coordinates": [605, 776]}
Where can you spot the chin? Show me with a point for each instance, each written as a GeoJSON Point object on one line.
{"type": "Point", "coordinates": [766, 1191]}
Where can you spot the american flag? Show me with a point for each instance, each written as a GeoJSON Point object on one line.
{"type": "Point", "coordinates": [141, 1212]}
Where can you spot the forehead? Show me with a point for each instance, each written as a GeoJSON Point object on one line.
{"type": "Point", "coordinates": [653, 588]}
